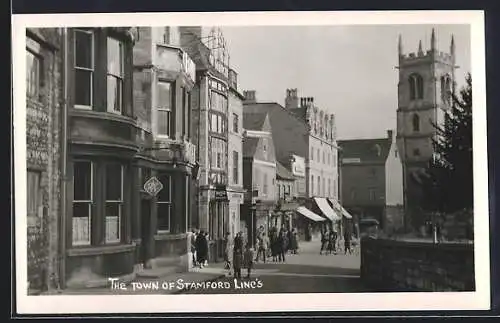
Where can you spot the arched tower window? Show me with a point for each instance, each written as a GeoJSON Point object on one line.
{"type": "Point", "coordinates": [446, 89]}
{"type": "Point", "coordinates": [416, 84]}
{"type": "Point", "coordinates": [416, 122]}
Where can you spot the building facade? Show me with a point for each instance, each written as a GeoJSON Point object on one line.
{"type": "Point", "coordinates": [235, 152]}
{"type": "Point", "coordinates": [259, 174]}
{"type": "Point", "coordinates": [102, 143]}
{"type": "Point", "coordinates": [164, 78]}
{"type": "Point", "coordinates": [371, 180]}
{"type": "Point", "coordinates": [44, 151]}
{"type": "Point", "coordinates": [211, 123]}
{"type": "Point", "coordinates": [426, 81]}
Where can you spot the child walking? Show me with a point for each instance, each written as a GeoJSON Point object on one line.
{"type": "Point", "coordinates": [248, 258]}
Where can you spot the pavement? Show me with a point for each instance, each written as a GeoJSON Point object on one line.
{"type": "Point", "coordinates": [305, 272]}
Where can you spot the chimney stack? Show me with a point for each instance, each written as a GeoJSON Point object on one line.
{"type": "Point", "coordinates": [291, 99]}
{"type": "Point", "coordinates": [390, 134]}
{"type": "Point", "coordinates": [249, 96]}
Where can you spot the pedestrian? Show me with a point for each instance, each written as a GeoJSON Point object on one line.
{"type": "Point", "coordinates": [347, 242]}
{"type": "Point", "coordinates": [193, 246]}
{"type": "Point", "coordinates": [324, 241]}
{"type": "Point", "coordinates": [331, 243]}
{"type": "Point", "coordinates": [201, 248]}
{"type": "Point", "coordinates": [274, 245]}
{"type": "Point", "coordinates": [281, 246]}
{"type": "Point", "coordinates": [294, 242]}
{"type": "Point", "coordinates": [228, 252]}
{"type": "Point", "coordinates": [237, 255]}
{"type": "Point", "coordinates": [262, 248]}
{"type": "Point", "coordinates": [248, 259]}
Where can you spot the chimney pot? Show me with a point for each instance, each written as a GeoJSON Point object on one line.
{"type": "Point", "coordinates": [389, 134]}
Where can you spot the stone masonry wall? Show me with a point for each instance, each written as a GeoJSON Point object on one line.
{"type": "Point", "coordinates": [391, 265]}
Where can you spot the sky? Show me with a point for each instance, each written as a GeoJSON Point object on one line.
{"type": "Point", "coordinates": [349, 70]}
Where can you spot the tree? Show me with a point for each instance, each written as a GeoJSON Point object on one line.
{"type": "Point", "coordinates": [449, 185]}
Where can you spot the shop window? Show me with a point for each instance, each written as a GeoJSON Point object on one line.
{"type": "Point", "coordinates": [84, 68]}
{"type": "Point", "coordinates": [115, 75]}
{"type": "Point", "coordinates": [164, 204]}
{"type": "Point", "coordinates": [114, 202]}
{"type": "Point", "coordinates": [82, 202]}
{"type": "Point", "coordinates": [164, 104]}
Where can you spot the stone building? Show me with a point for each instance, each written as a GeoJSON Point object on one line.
{"type": "Point", "coordinates": [102, 143]}
{"type": "Point", "coordinates": [44, 151]}
{"type": "Point", "coordinates": [235, 153]}
{"type": "Point", "coordinates": [164, 77]}
{"type": "Point", "coordinates": [259, 174]}
{"type": "Point", "coordinates": [210, 120]}
{"type": "Point", "coordinates": [426, 81]}
{"type": "Point", "coordinates": [372, 180]}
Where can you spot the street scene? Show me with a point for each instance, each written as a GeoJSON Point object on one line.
{"type": "Point", "coordinates": [226, 160]}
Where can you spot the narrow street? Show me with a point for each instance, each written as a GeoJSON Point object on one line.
{"type": "Point", "coordinates": [306, 272]}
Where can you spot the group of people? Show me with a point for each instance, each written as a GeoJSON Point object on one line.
{"type": "Point", "coordinates": [199, 248]}
{"type": "Point", "coordinates": [238, 255]}
{"type": "Point", "coordinates": [329, 239]}
{"type": "Point", "coordinates": [281, 242]}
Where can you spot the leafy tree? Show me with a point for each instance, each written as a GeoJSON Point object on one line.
{"type": "Point", "coordinates": [449, 185]}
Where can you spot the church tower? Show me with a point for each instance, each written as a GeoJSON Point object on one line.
{"type": "Point", "coordinates": [426, 82]}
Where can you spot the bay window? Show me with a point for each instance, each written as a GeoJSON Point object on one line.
{"type": "Point", "coordinates": [164, 110]}
{"type": "Point", "coordinates": [82, 202]}
{"type": "Point", "coordinates": [115, 75]}
{"type": "Point", "coordinates": [164, 204]}
{"type": "Point", "coordinates": [84, 68]}
{"type": "Point", "coordinates": [114, 202]}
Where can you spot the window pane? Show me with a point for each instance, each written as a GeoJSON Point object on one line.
{"type": "Point", "coordinates": [113, 211]}
{"type": "Point", "coordinates": [80, 227]}
{"type": "Point", "coordinates": [164, 95]}
{"type": "Point", "coordinates": [83, 49]}
{"type": "Point", "coordinates": [82, 181]}
{"type": "Point", "coordinates": [214, 122]}
{"type": "Point", "coordinates": [114, 94]}
{"type": "Point", "coordinates": [83, 87]}
{"type": "Point", "coordinates": [163, 216]}
{"type": "Point", "coordinates": [164, 194]}
{"type": "Point", "coordinates": [164, 122]}
{"type": "Point", "coordinates": [114, 182]}
{"type": "Point", "coordinates": [115, 57]}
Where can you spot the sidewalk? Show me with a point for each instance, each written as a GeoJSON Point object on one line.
{"type": "Point", "coordinates": [171, 284]}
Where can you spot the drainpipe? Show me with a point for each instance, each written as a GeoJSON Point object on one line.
{"type": "Point", "coordinates": [64, 161]}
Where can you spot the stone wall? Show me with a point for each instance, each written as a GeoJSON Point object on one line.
{"type": "Point", "coordinates": [392, 265]}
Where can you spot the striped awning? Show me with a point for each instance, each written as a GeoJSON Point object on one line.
{"type": "Point", "coordinates": [309, 214]}
{"type": "Point", "coordinates": [339, 208]}
{"type": "Point", "coordinates": [326, 209]}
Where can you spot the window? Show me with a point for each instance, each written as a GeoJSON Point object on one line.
{"type": "Point", "coordinates": [219, 160]}
{"type": "Point", "coordinates": [312, 185]}
{"type": "Point", "coordinates": [33, 75]}
{"type": "Point", "coordinates": [445, 89]}
{"type": "Point", "coordinates": [114, 202]}
{"type": "Point", "coordinates": [416, 84]}
{"type": "Point", "coordinates": [312, 153]}
{"type": "Point", "coordinates": [115, 75]}
{"type": "Point", "coordinates": [319, 185]}
{"type": "Point", "coordinates": [218, 153]}
{"type": "Point", "coordinates": [84, 68]}
{"type": "Point", "coordinates": [166, 35]}
{"type": "Point", "coordinates": [264, 189]}
{"type": "Point", "coordinates": [324, 159]}
{"type": "Point", "coordinates": [372, 194]}
{"type": "Point", "coordinates": [416, 122]}
{"type": "Point", "coordinates": [235, 122]}
{"type": "Point", "coordinates": [164, 204]}
{"type": "Point", "coordinates": [164, 103]}
{"type": "Point", "coordinates": [82, 202]}
{"type": "Point", "coordinates": [264, 148]}
{"type": "Point", "coordinates": [235, 167]}
{"type": "Point", "coordinates": [328, 154]}
{"type": "Point", "coordinates": [416, 152]}
{"type": "Point", "coordinates": [324, 188]}
{"type": "Point", "coordinates": [318, 155]}
{"type": "Point", "coordinates": [32, 193]}
{"type": "Point", "coordinates": [395, 153]}
{"type": "Point", "coordinates": [188, 114]}
{"type": "Point", "coordinates": [329, 188]}
{"type": "Point", "coordinates": [184, 110]}
{"type": "Point", "coordinates": [334, 189]}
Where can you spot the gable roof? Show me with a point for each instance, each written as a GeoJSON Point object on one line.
{"type": "Point", "coordinates": [366, 150]}
{"type": "Point", "coordinates": [283, 173]}
{"type": "Point", "coordinates": [249, 146]}
{"type": "Point", "coordinates": [253, 121]}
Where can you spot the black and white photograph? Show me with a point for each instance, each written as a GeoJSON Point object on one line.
{"type": "Point", "coordinates": [270, 162]}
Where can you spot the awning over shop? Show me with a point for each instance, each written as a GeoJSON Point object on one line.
{"type": "Point", "coordinates": [340, 209]}
{"type": "Point", "coordinates": [309, 214]}
{"type": "Point", "coordinates": [326, 209]}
